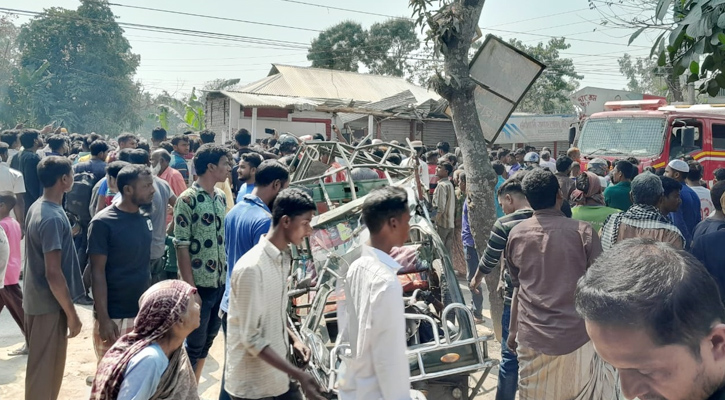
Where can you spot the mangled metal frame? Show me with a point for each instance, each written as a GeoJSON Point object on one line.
{"type": "Point", "coordinates": [351, 157]}
{"type": "Point", "coordinates": [426, 358]}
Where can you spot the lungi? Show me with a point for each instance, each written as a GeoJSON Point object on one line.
{"type": "Point", "coordinates": [124, 325]}
{"type": "Point", "coordinates": [580, 375]}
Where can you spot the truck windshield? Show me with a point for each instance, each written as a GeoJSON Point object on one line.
{"type": "Point", "coordinates": [639, 137]}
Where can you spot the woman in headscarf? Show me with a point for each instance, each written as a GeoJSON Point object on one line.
{"type": "Point", "coordinates": [151, 362]}
{"type": "Point", "coordinates": [589, 201]}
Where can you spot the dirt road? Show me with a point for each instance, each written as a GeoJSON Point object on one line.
{"type": "Point", "coordinates": [81, 363]}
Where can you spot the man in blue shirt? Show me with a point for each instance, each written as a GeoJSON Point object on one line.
{"type": "Point", "coordinates": [517, 158]}
{"type": "Point", "coordinates": [245, 224]}
{"type": "Point", "coordinates": [181, 149]}
{"type": "Point", "coordinates": [688, 215]}
{"type": "Point", "coordinates": [97, 164]}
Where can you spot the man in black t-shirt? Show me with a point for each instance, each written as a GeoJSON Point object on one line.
{"type": "Point", "coordinates": [27, 163]}
{"type": "Point", "coordinates": [119, 248]}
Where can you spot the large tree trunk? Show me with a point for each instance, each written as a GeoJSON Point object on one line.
{"type": "Point", "coordinates": [458, 89]}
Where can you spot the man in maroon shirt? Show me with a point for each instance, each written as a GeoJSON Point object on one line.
{"type": "Point", "coordinates": [546, 255]}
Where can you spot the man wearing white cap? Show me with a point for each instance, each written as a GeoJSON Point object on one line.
{"type": "Point", "coordinates": [688, 215]}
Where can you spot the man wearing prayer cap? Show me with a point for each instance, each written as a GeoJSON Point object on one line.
{"type": "Point", "coordinates": [688, 215]}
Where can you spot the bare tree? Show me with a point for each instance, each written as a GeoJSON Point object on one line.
{"type": "Point", "coordinates": [451, 30]}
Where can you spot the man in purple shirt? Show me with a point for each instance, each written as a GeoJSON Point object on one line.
{"type": "Point", "coordinates": [469, 251]}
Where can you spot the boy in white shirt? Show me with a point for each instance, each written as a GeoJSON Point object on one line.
{"type": "Point", "coordinates": [374, 305]}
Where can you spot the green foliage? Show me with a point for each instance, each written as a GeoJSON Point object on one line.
{"type": "Point", "coordinates": [698, 30]}
{"type": "Point", "coordinates": [8, 50]}
{"type": "Point", "coordinates": [26, 96]}
{"type": "Point", "coordinates": [384, 49]}
{"type": "Point", "coordinates": [88, 83]}
{"type": "Point", "coordinates": [550, 93]}
{"type": "Point", "coordinates": [179, 115]}
{"type": "Point", "coordinates": [644, 75]}
{"type": "Point", "coordinates": [339, 47]}
{"type": "Point", "coordinates": [444, 25]}
{"type": "Point", "coordinates": [190, 111]}
{"type": "Point", "coordinates": [388, 45]}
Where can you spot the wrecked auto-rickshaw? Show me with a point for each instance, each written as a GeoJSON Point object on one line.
{"type": "Point", "coordinates": [444, 346]}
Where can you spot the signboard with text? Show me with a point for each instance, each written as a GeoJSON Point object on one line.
{"type": "Point", "coordinates": [536, 128]}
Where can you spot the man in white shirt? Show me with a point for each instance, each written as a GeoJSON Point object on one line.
{"type": "Point", "coordinates": [12, 180]}
{"type": "Point", "coordinates": [422, 166]}
{"type": "Point", "coordinates": [378, 367]}
{"type": "Point", "coordinates": [257, 333]}
{"type": "Point", "coordinates": [693, 181]}
{"type": "Point", "coordinates": [547, 162]}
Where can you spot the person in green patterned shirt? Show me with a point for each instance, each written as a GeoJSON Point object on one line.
{"type": "Point", "coordinates": [199, 240]}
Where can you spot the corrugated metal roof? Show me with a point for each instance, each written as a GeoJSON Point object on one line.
{"type": "Point", "coordinates": [400, 102]}
{"type": "Point", "coordinates": [265, 100]}
{"type": "Point", "coordinates": [287, 80]}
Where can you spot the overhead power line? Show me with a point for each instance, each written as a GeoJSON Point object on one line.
{"type": "Point", "coordinates": [535, 18]}
{"type": "Point", "coordinates": [290, 45]}
{"type": "Point", "coordinates": [179, 31]}
{"type": "Point", "coordinates": [214, 17]}
{"type": "Point", "coordinates": [568, 38]}
{"type": "Point", "coordinates": [345, 9]}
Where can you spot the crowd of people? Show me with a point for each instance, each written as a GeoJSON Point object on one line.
{"type": "Point", "coordinates": [608, 274]}
{"type": "Point", "coordinates": [563, 232]}
{"type": "Point", "coordinates": [141, 228]}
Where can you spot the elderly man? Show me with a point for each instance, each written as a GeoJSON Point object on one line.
{"type": "Point", "coordinates": [547, 161]}
{"type": "Point", "coordinates": [654, 313]}
{"type": "Point", "coordinates": [160, 162]}
{"type": "Point", "coordinates": [643, 219]}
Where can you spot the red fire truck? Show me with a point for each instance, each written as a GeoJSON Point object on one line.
{"type": "Point", "coordinates": [655, 133]}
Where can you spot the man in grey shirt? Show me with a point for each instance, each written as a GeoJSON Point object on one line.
{"type": "Point", "coordinates": [52, 281]}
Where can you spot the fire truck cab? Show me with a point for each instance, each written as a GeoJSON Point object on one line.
{"type": "Point", "coordinates": [655, 133]}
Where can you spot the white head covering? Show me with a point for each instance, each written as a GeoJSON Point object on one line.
{"type": "Point", "coordinates": [679, 165]}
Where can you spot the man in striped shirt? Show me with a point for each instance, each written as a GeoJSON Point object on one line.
{"type": "Point", "coordinates": [517, 209]}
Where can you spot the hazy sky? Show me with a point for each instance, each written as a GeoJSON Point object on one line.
{"type": "Point", "coordinates": [177, 63]}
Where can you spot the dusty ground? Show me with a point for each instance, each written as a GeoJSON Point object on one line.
{"type": "Point", "coordinates": [81, 362]}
